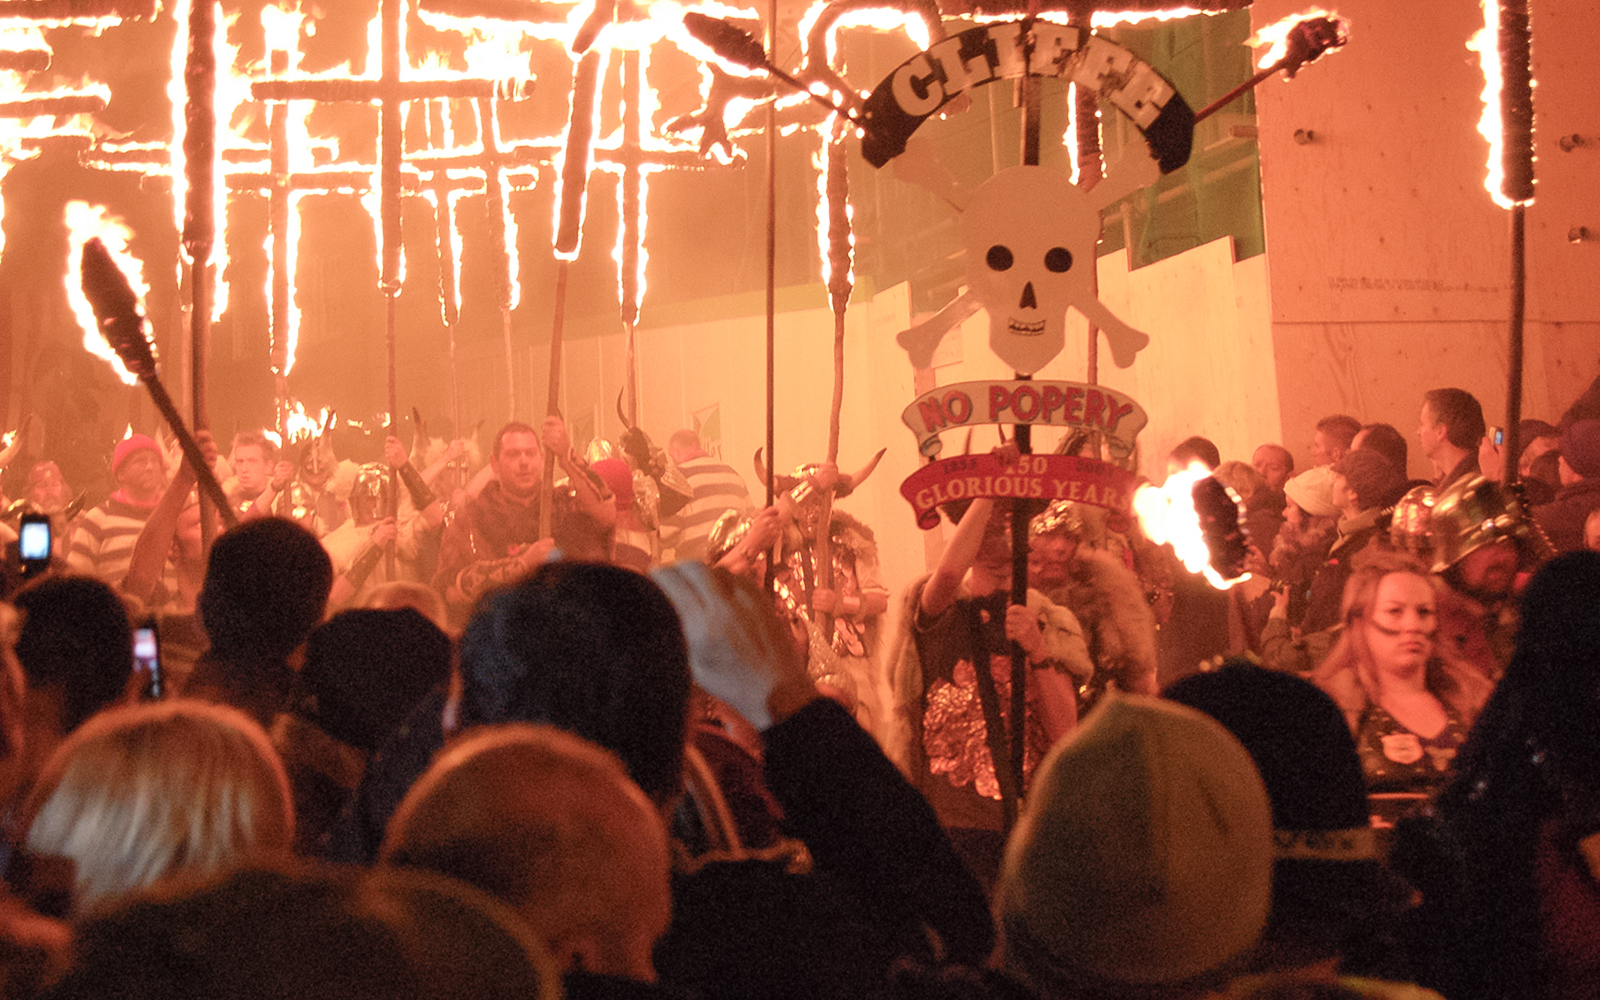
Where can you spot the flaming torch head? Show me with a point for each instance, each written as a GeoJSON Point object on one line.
{"type": "Point", "coordinates": [116, 309]}
{"type": "Point", "coordinates": [1219, 525]}
{"type": "Point", "coordinates": [1309, 39]}
{"type": "Point", "coordinates": [1199, 516]}
{"type": "Point", "coordinates": [734, 44]}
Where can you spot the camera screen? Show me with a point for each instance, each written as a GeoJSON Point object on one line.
{"type": "Point", "coordinates": [35, 542]}
{"type": "Point", "coordinates": [144, 644]}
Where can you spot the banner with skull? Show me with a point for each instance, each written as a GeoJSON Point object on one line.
{"type": "Point", "coordinates": [1029, 235]}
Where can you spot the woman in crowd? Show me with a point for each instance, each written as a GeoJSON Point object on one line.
{"type": "Point", "coordinates": [1512, 902]}
{"type": "Point", "coordinates": [1407, 700]}
{"type": "Point", "coordinates": [141, 792]}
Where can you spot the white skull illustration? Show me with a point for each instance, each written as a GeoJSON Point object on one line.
{"type": "Point", "coordinates": [1030, 236]}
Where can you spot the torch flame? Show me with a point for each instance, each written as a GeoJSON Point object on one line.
{"type": "Point", "coordinates": [1486, 43]}
{"type": "Point", "coordinates": [1167, 514]}
{"type": "Point", "coordinates": [1275, 36]}
{"type": "Point", "coordinates": [300, 425]}
{"type": "Point", "coordinates": [231, 90]}
{"type": "Point", "coordinates": [1112, 18]}
{"type": "Point", "coordinates": [884, 18]}
{"type": "Point", "coordinates": [84, 223]}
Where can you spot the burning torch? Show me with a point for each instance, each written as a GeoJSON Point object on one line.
{"type": "Point", "coordinates": [1200, 517]}
{"type": "Point", "coordinates": [1304, 41]}
{"type": "Point", "coordinates": [116, 310]}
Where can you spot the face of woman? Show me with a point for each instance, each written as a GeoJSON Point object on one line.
{"type": "Point", "coordinates": [1403, 620]}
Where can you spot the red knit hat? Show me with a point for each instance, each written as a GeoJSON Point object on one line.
{"type": "Point", "coordinates": [127, 446]}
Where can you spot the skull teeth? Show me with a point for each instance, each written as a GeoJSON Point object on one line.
{"type": "Point", "coordinates": [1025, 329]}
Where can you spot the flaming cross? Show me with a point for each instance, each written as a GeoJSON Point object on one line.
{"type": "Point", "coordinates": [488, 162]}
{"type": "Point", "coordinates": [633, 152]}
{"type": "Point", "coordinates": [391, 92]}
{"type": "Point", "coordinates": [25, 51]}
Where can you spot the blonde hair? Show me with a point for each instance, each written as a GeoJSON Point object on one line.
{"type": "Point", "coordinates": [1453, 681]}
{"type": "Point", "coordinates": [142, 791]}
{"type": "Point", "coordinates": [1240, 477]}
{"type": "Point", "coordinates": [421, 598]}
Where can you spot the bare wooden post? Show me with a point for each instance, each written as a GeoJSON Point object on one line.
{"type": "Point", "coordinates": [840, 285]}
{"type": "Point", "coordinates": [278, 226]}
{"type": "Point", "coordinates": [199, 217]}
{"type": "Point", "coordinates": [569, 232]}
{"type": "Point", "coordinates": [391, 153]}
{"type": "Point", "coordinates": [633, 87]}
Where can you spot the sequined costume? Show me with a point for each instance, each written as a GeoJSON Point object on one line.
{"type": "Point", "coordinates": [941, 738]}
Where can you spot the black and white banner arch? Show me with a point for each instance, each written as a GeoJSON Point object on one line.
{"type": "Point", "coordinates": [929, 80]}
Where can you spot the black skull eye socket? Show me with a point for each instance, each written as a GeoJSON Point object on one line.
{"type": "Point", "coordinates": [999, 258]}
{"type": "Point", "coordinates": [1058, 259]}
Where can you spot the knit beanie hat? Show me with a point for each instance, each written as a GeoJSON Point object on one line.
{"type": "Point", "coordinates": [1580, 446]}
{"type": "Point", "coordinates": [1370, 477]}
{"type": "Point", "coordinates": [1312, 492]}
{"type": "Point", "coordinates": [1329, 885]}
{"type": "Point", "coordinates": [618, 478]}
{"type": "Point", "coordinates": [1144, 855]}
{"type": "Point", "coordinates": [127, 446]}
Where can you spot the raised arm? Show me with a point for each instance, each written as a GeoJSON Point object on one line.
{"type": "Point", "coordinates": [861, 820]}
{"type": "Point", "coordinates": [556, 441]}
{"type": "Point", "coordinates": [282, 476]}
{"type": "Point", "coordinates": [154, 545]}
{"type": "Point", "coordinates": [941, 589]}
{"type": "Point", "coordinates": [428, 506]}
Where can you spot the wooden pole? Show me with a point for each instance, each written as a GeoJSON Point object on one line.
{"type": "Point", "coordinates": [1515, 39]}
{"type": "Point", "coordinates": [840, 285]}
{"type": "Point", "coordinates": [1091, 168]}
{"type": "Point", "coordinates": [1511, 451]}
{"type": "Point", "coordinates": [200, 224]}
{"type": "Point", "coordinates": [1028, 87]}
{"type": "Point", "coordinates": [569, 236]}
{"type": "Point", "coordinates": [494, 207]}
{"type": "Point", "coordinates": [278, 226]}
{"type": "Point", "coordinates": [392, 152]}
{"type": "Point", "coordinates": [772, 267]}
{"type": "Point", "coordinates": [633, 87]}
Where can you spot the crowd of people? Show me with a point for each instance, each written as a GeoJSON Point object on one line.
{"type": "Point", "coordinates": [590, 723]}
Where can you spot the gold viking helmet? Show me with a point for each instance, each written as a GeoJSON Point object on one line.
{"type": "Point", "coordinates": [726, 532]}
{"type": "Point", "coordinates": [371, 490]}
{"type": "Point", "coordinates": [598, 450]}
{"type": "Point", "coordinates": [1061, 515]}
{"type": "Point", "coordinates": [1470, 514]}
{"type": "Point", "coordinates": [1409, 526]}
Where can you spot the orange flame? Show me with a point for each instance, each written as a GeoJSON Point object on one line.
{"type": "Point", "coordinates": [824, 207]}
{"type": "Point", "coordinates": [231, 90]}
{"type": "Point", "coordinates": [1275, 36]}
{"type": "Point", "coordinates": [1486, 43]}
{"type": "Point", "coordinates": [300, 425]}
{"type": "Point", "coordinates": [85, 222]}
{"type": "Point", "coordinates": [1167, 514]}
{"type": "Point", "coordinates": [15, 146]}
{"type": "Point", "coordinates": [1111, 18]}
{"type": "Point", "coordinates": [282, 30]}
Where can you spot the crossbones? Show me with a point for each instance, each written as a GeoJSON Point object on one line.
{"type": "Point", "coordinates": [1030, 237]}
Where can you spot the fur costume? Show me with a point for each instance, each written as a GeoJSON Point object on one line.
{"type": "Point", "coordinates": [1118, 625]}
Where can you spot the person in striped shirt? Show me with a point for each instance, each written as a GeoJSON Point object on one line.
{"type": "Point", "coordinates": [103, 536]}
{"type": "Point", "coordinates": [717, 489]}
